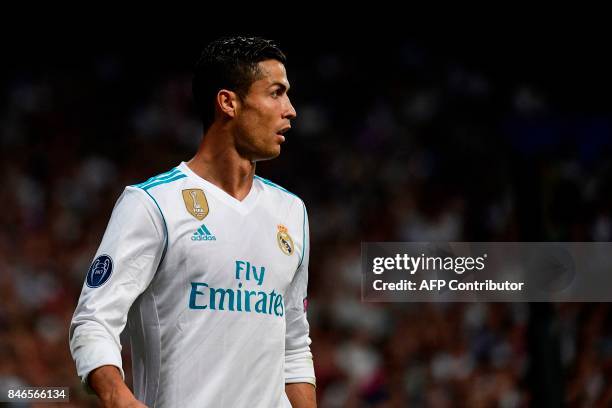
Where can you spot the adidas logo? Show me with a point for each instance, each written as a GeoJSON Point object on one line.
{"type": "Point", "coordinates": [203, 234]}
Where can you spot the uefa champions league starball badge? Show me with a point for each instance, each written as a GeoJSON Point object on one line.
{"type": "Point", "coordinates": [100, 271]}
{"type": "Point", "coordinates": [285, 243]}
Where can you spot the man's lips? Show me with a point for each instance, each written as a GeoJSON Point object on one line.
{"type": "Point", "coordinates": [282, 131]}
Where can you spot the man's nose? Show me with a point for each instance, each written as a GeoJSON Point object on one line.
{"type": "Point", "coordinates": [290, 112]}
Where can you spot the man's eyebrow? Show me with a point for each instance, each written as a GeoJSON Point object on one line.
{"type": "Point", "coordinates": [283, 86]}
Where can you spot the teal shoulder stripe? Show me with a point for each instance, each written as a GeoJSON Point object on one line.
{"type": "Point", "coordinates": [163, 176]}
{"type": "Point", "coordinates": [157, 183]}
{"type": "Point", "coordinates": [271, 184]}
{"type": "Point", "coordinates": [165, 227]}
{"type": "Point", "coordinates": [303, 235]}
{"type": "Point", "coordinates": [167, 175]}
{"type": "Point", "coordinates": [154, 178]}
{"type": "Point", "coordinates": [158, 177]}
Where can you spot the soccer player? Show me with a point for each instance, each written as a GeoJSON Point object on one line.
{"type": "Point", "coordinates": [207, 263]}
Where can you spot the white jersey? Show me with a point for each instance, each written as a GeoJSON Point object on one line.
{"type": "Point", "coordinates": [213, 291]}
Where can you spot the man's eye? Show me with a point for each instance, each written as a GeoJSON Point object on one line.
{"type": "Point", "coordinates": [275, 94]}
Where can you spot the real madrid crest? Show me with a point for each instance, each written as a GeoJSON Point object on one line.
{"type": "Point", "coordinates": [285, 243]}
{"type": "Point", "coordinates": [195, 202]}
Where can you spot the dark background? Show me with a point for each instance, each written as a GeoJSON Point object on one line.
{"type": "Point", "coordinates": [442, 133]}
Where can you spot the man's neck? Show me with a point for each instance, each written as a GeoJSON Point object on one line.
{"type": "Point", "coordinates": [220, 164]}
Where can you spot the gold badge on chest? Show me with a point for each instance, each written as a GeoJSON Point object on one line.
{"type": "Point", "coordinates": [195, 202]}
{"type": "Point", "coordinates": [285, 243]}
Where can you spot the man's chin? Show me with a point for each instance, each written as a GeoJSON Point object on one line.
{"type": "Point", "coordinates": [268, 155]}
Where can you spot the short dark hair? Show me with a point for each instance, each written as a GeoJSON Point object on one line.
{"type": "Point", "coordinates": [229, 63]}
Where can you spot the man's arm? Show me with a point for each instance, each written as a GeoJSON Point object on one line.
{"type": "Point", "coordinates": [108, 384]}
{"type": "Point", "coordinates": [299, 369]}
{"type": "Point", "coordinates": [125, 264]}
{"type": "Point", "coordinates": [301, 395]}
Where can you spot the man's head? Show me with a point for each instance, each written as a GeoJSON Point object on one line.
{"type": "Point", "coordinates": [243, 79]}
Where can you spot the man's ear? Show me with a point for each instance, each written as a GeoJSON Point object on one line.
{"type": "Point", "coordinates": [227, 101]}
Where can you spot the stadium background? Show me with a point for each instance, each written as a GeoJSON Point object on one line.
{"type": "Point", "coordinates": [424, 137]}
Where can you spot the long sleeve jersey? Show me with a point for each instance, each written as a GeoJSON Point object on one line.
{"type": "Point", "coordinates": [212, 291]}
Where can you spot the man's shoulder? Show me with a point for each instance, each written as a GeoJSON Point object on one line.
{"type": "Point", "coordinates": [162, 179]}
{"type": "Point", "coordinates": [159, 190]}
{"type": "Point", "coordinates": [279, 192]}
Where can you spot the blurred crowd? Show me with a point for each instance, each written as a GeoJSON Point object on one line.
{"type": "Point", "coordinates": [420, 148]}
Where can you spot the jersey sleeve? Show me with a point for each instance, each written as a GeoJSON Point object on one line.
{"type": "Point", "coordinates": [298, 358]}
{"type": "Point", "coordinates": [124, 265]}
